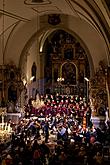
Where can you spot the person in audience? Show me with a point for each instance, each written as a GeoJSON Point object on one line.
{"type": "Point", "coordinates": [62, 118]}
{"type": "Point", "coordinates": [46, 132]}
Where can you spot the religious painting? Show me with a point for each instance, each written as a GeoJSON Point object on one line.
{"type": "Point", "coordinates": [12, 93]}
{"type": "Point", "coordinates": [68, 54]}
{"type": "Point", "coordinates": [69, 73]}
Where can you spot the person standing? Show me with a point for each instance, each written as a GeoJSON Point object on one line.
{"type": "Point", "coordinates": [46, 132]}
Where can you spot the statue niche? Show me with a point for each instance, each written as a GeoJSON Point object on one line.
{"type": "Point", "coordinates": [68, 52]}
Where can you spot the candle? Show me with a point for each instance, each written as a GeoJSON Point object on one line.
{"type": "Point", "coordinates": [2, 126]}
{"type": "Point", "coordinates": [2, 121]}
{"type": "Point", "coordinates": [9, 128]}
{"type": "Point", "coordinates": [5, 126]}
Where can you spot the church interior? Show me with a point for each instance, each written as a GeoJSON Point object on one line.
{"type": "Point", "coordinates": [55, 66]}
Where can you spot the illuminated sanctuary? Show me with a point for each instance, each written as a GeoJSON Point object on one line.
{"type": "Point", "coordinates": [50, 48]}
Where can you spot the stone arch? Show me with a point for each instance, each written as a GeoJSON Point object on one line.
{"type": "Point", "coordinates": [42, 34]}
{"type": "Point", "coordinates": [50, 31]}
{"type": "Point", "coordinates": [25, 51]}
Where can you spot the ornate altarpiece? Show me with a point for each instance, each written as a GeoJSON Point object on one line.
{"type": "Point", "coordinates": [66, 59]}
{"type": "Point", "coordinates": [98, 91]}
{"type": "Point", "coordinates": [11, 84]}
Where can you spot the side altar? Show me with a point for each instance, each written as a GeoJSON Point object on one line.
{"type": "Point", "coordinates": [6, 116]}
{"type": "Point", "coordinates": [98, 96]}
{"type": "Point", "coordinates": [5, 128]}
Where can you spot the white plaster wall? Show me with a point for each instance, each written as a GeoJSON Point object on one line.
{"type": "Point", "coordinates": [90, 37]}
{"type": "Point", "coordinates": [18, 39]}
{"type": "Point", "coordinates": [32, 57]}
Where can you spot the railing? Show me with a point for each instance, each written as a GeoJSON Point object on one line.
{"type": "Point", "coordinates": [70, 89]}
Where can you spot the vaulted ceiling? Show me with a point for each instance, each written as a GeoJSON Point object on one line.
{"type": "Point", "coordinates": [20, 20]}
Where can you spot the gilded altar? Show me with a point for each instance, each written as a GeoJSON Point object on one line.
{"type": "Point", "coordinates": [66, 59]}
{"type": "Point", "coordinates": [11, 84]}
{"type": "Point", "coordinates": [98, 91]}
{"type": "Point", "coordinates": [5, 128]}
